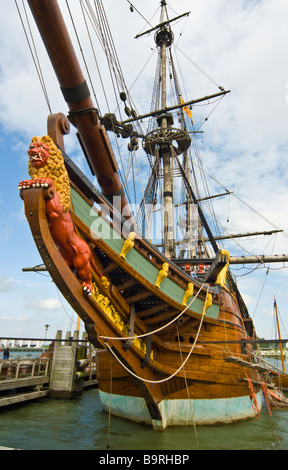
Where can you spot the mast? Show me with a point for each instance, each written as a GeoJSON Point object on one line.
{"type": "Point", "coordinates": [83, 115]}
{"type": "Point", "coordinates": [279, 334]}
{"type": "Point", "coordinates": [171, 142]}
{"type": "Point", "coordinates": [164, 39]}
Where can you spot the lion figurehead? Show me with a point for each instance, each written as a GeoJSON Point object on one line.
{"type": "Point", "coordinates": [46, 161]}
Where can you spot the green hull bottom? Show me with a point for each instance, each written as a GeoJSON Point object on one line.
{"type": "Point", "coordinates": [182, 412]}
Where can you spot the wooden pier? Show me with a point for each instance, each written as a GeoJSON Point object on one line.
{"type": "Point", "coordinates": [63, 371]}
{"type": "Point", "coordinates": [22, 380]}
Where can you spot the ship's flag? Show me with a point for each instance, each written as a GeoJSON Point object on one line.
{"type": "Point", "coordinates": [187, 110]}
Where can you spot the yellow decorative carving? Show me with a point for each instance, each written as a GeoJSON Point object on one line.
{"type": "Point", "coordinates": [104, 282]}
{"type": "Point", "coordinates": [188, 293]}
{"type": "Point", "coordinates": [128, 245]}
{"type": "Point", "coordinates": [162, 274]}
{"type": "Point", "coordinates": [111, 312]}
{"type": "Point", "coordinates": [54, 169]}
{"type": "Point", "coordinates": [208, 303]}
{"type": "Point", "coordinates": [221, 278]}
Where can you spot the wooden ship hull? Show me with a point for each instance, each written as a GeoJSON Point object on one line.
{"type": "Point", "coordinates": [173, 350]}
{"type": "Point", "coordinates": [180, 375]}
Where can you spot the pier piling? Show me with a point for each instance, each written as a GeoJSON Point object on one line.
{"type": "Point", "coordinates": [67, 374]}
{"type": "Point", "coordinates": [64, 370]}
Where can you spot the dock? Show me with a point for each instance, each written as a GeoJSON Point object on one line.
{"type": "Point", "coordinates": [22, 380]}
{"type": "Point", "coordinates": [65, 370]}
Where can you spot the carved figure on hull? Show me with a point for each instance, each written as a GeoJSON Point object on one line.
{"type": "Point", "coordinates": [46, 168]}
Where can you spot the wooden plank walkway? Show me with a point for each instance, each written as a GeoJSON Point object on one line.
{"type": "Point", "coordinates": [28, 379]}
{"type": "Point", "coordinates": [64, 370]}
{"type": "Point", "coordinates": [23, 380]}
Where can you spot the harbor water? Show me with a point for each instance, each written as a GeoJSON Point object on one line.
{"type": "Point", "coordinates": [81, 424]}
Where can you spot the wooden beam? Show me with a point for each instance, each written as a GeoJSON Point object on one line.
{"type": "Point", "coordinates": [243, 235]}
{"type": "Point", "coordinates": [13, 399]}
{"type": "Point", "coordinates": [215, 268]}
{"type": "Point", "coordinates": [139, 296]}
{"type": "Point", "coordinates": [150, 311]}
{"type": "Point", "coordinates": [172, 108]}
{"type": "Point", "coordinates": [234, 260]}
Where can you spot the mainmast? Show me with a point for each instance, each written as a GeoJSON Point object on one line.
{"type": "Point", "coordinates": [164, 39]}
{"type": "Point", "coordinates": [169, 142]}
{"type": "Point", "coordinates": [165, 136]}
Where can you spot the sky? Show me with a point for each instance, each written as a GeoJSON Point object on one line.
{"type": "Point", "coordinates": [240, 45]}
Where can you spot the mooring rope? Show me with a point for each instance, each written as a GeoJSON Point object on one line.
{"type": "Point", "coordinates": [187, 389]}
{"type": "Point", "coordinates": [109, 411]}
{"type": "Point", "coordinates": [183, 363]}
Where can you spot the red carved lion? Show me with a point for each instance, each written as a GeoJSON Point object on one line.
{"type": "Point", "coordinates": [46, 168]}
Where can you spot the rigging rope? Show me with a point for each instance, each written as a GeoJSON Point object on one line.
{"type": "Point", "coordinates": [260, 215]}
{"type": "Point", "coordinates": [80, 47]}
{"type": "Point", "coordinates": [159, 329]}
{"type": "Point", "coordinates": [132, 8]}
{"type": "Point", "coordinates": [34, 57]}
{"type": "Point", "coordinates": [183, 363]}
{"type": "Point", "coordinates": [242, 201]}
{"type": "Point", "coordinates": [261, 292]}
{"type": "Point", "coordinates": [187, 388]}
{"type": "Point", "coordinates": [110, 403]}
{"type": "Point", "coordinates": [99, 22]}
{"type": "Point", "coordinates": [199, 68]}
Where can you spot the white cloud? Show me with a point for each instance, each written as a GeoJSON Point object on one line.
{"type": "Point", "coordinates": [241, 45]}
{"type": "Point", "coordinates": [8, 318]}
{"type": "Point", "coordinates": [6, 284]}
{"type": "Point", "coordinates": [44, 304]}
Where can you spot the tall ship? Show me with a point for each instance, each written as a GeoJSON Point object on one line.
{"type": "Point", "coordinates": [152, 285]}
